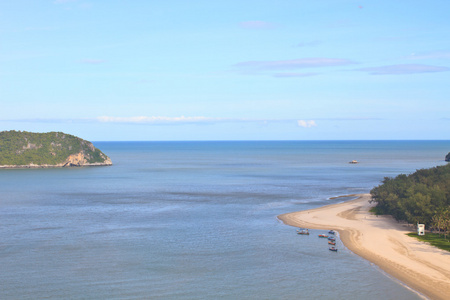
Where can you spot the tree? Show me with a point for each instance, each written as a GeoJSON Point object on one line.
{"type": "Point", "coordinates": [436, 222]}
{"type": "Point", "coordinates": [446, 221]}
{"type": "Point", "coordinates": [421, 197]}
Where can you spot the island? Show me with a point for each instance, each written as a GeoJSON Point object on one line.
{"type": "Point", "coordinates": [447, 157]}
{"type": "Point", "coordinates": [22, 149]}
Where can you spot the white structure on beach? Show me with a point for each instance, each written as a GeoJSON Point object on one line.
{"type": "Point", "coordinates": [420, 229]}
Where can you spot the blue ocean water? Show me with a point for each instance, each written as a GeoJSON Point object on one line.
{"type": "Point", "coordinates": [195, 220]}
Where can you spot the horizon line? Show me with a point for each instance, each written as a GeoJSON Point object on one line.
{"type": "Point", "coordinates": [321, 140]}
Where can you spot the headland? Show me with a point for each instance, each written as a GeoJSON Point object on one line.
{"type": "Point", "coordinates": [21, 149]}
{"type": "Point", "coordinates": [382, 241]}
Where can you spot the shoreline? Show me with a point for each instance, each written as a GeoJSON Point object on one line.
{"type": "Point", "coordinates": [55, 166]}
{"type": "Point", "coordinates": [382, 241]}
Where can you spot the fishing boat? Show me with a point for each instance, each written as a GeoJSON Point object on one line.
{"type": "Point", "coordinates": [303, 231]}
{"type": "Point", "coordinates": [331, 239]}
{"type": "Point", "coordinates": [331, 232]}
{"type": "Point", "coordinates": [331, 243]}
{"type": "Point", "coordinates": [323, 235]}
{"type": "Point", "coordinates": [333, 249]}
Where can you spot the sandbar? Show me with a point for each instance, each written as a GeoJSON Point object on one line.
{"type": "Point", "coordinates": [382, 241]}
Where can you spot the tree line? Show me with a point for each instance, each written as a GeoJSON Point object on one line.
{"type": "Point", "coordinates": [421, 197]}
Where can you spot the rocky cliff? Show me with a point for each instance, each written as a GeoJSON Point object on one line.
{"type": "Point", "coordinates": [21, 149]}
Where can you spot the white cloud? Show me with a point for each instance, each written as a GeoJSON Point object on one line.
{"type": "Point", "coordinates": [148, 120]}
{"type": "Point", "coordinates": [158, 119]}
{"type": "Point", "coordinates": [49, 120]}
{"type": "Point", "coordinates": [351, 119]}
{"type": "Point", "coordinates": [162, 120]}
{"type": "Point", "coordinates": [306, 123]}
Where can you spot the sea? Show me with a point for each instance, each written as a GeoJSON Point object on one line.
{"type": "Point", "coordinates": [196, 220]}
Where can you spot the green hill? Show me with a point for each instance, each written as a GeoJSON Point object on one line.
{"type": "Point", "coordinates": [21, 149]}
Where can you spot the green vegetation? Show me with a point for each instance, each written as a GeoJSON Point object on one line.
{"type": "Point", "coordinates": [21, 148]}
{"type": "Point", "coordinates": [434, 239]}
{"type": "Point", "coordinates": [422, 197]}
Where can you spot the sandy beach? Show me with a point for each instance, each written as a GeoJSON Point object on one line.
{"type": "Point", "coordinates": [382, 241]}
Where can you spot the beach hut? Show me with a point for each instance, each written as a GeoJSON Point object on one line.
{"type": "Point", "coordinates": [420, 229]}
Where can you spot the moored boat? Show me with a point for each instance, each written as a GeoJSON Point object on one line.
{"type": "Point", "coordinates": [333, 249]}
{"type": "Point", "coordinates": [323, 235]}
{"type": "Point", "coordinates": [331, 239]}
{"type": "Point", "coordinates": [331, 232]}
{"type": "Point", "coordinates": [331, 243]}
{"type": "Point", "coordinates": [303, 231]}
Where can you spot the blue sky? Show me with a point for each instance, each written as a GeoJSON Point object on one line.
{"type": "Point", "coordinates": [226, 70]}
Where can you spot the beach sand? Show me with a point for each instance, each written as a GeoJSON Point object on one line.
{"type": "Point", "coordinates": [382, 241]}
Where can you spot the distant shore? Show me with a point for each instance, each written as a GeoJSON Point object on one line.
{"type": "Point", "coordinates": [54, 166]}
{"type": "Point", "coordinates": [382, 241]}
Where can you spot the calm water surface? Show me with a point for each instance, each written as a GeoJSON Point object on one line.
{"type": "Point", "coordinates": [194, 220]}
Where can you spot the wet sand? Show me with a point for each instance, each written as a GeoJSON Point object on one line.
{"type": "Point", "coordinates": [382, 241]}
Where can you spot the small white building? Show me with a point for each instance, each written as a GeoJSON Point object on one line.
{"type": "Point", "coordinates": [420, 229]}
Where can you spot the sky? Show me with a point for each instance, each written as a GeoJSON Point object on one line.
{"type": "Point", "coordinates": [164, 70]}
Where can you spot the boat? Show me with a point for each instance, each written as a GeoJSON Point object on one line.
{"type": "Point", "coordinates": [331, 243]}
{"type": "Point", "coordinates": [331, 239]}
{"type": "Point", "coordinates": [303, 231]}
{"type": "Point", "coordinates": [353, 162]}
{"type": "Point", "coordinates": [333, 249]}
{"type": "Point", "coordinates": [331, 232]}
{"type": "Point", "coordinates": [323, 235]}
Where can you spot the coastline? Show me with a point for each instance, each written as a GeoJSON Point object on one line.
{"type": "Point", "coordinates": [53, 166]}
{"type": "Point", "coordinates": [382, 241]}
{"type": "Point", "coordinates": [61, 165]}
